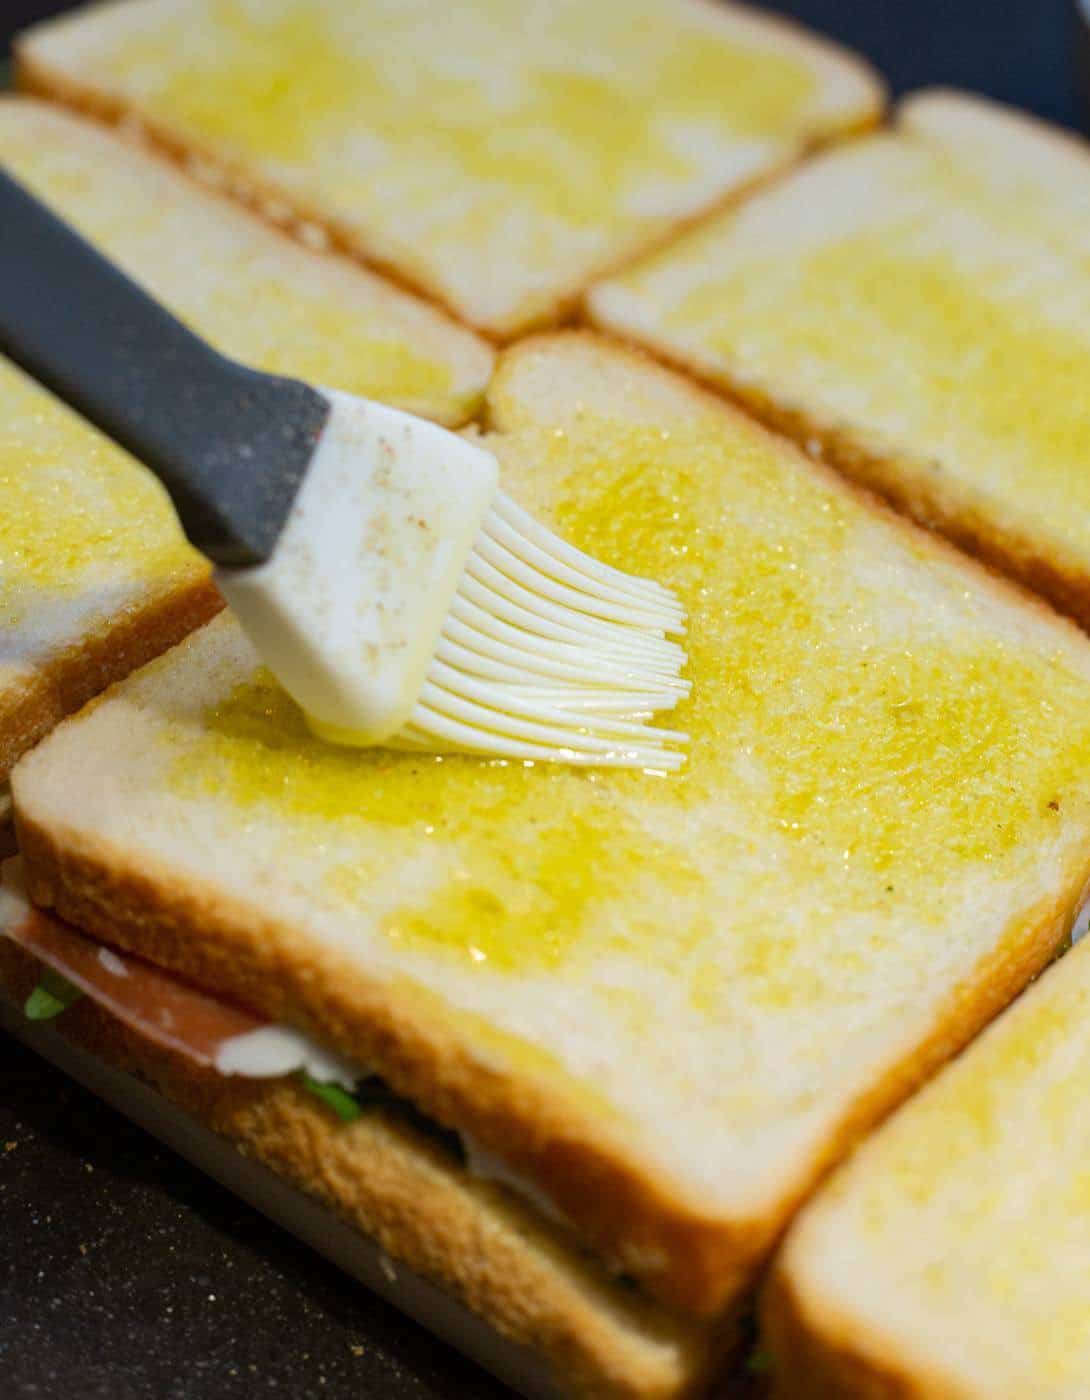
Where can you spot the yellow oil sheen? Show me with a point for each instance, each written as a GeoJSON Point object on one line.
{"type": "Point", "coordinates": [972, 368]}
{"type": "Point", "coordinates": [225, 285]}
{"type": "Point", "coordinates": [73, 507]}
{"type": "Point", "coordinates": [294, 331]}
{"type": "Point", "coordinates": [569, 108]}
{"type": "Point", "coordinates": [973, 1119]}
{"type": "Point", "coordinates": [953, 1172]}
{"type": "Point", "coordinates": [875, 760]}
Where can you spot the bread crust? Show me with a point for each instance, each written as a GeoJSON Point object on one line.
{"type": "Point", "coordinates": [478, 1242]}
{"type": "Point", "coordinates": [701, 382]}
{"type": "Point", "coordinates": [63, 683]}
{"type": "Point", "coordinates": [927, 497]}
{"type": "Point", "coordinates": [819, 1355]}
{"type": "Point", "coordinates": [1071, 143]}
{"type": "Point", "coordinates": [459, 407]}
{"type": "Point", "coordinates": [815, 1354]}
{"type": "Point", "coordinates": [301, 218]}
{"type": "Point", "coordinates": [906, 487]}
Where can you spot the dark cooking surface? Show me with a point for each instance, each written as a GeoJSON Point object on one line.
{"type": "Point", "coordinates": [127, 1275]}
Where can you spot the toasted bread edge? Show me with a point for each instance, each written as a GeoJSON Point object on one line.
{"type": "Point", "coordinates": [64, 682]}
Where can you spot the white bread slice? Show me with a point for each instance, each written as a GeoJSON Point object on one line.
{"type": "Point", "coordinates": [255, 294]}
{"type": "Point", "coordinates": [670, 1004]}
{"type": "Point", "coordinates": [948, 1259]}
{"type": "Point", "coordinates": [95, 577]}
{"type": "Point", "coordinates": [585, 1335]}
{"type": "Point", "coordinates": [917, 307]}
{"type": "Point", "coordinates": [497, 154]}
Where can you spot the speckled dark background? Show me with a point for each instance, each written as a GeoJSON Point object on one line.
{"type": "Point", "coordinates": [127, 1275]}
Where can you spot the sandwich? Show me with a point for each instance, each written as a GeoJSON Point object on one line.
{"type": "Point", "coordinates": [362, 1176]}
{"type": "Point", "coordinates": [915, 307]}
{"type": "Point", "coordinates": [630, 1020]}
{"type": "Point", "coordinates": [95, 574]}
{"type": "Point", "coordinates": [949, 1257]}
{"type": "Point", "coordinates": [495, 156]}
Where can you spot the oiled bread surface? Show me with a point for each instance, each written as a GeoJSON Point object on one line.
{"type": "Point", "coordinates": [916, 305]}
{"type": "Point", "coordinates": [496, 153]}
{"type": "Point", "coordinates": [255, 294]}
{"type": "Point", "coordinates": [951, 1253]}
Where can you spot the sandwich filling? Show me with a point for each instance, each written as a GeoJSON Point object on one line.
{"type": "Point", "coordinates": [211, 1032]}
{"type": "Point", "coordinates": [205, 1029]}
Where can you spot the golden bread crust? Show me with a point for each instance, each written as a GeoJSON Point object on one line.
{"type": "Point", "coordinates": [925, 498]}
{"type": "Point", "coordinates": [396, 1185]}
{"type": "Point", "coordinates": [213, 180]}
{"type": "Point", "coordinates": [814, 1358]}
{"type": "Point", "coordinates": [290, 213]}
{"type": "Point", "coordinates": [67, 680]}
{"type": "Point", "coordinates": [891, 481]}
{"type": "Point", "coordinates": [818, 1357]}
{"type": "Point", "coordinates": [796, 433]}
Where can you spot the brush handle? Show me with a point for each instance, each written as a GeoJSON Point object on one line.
{"type": "Point", "coordinates": [230, 444]}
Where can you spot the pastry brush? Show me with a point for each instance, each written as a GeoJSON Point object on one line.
{"type": "Point", "coordinates": [397, 594]}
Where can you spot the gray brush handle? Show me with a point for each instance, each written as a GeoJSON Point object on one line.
{"type": "Point", "coordinates": [230, 444]}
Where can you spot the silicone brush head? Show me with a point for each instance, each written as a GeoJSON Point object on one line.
{"type": "Point", "coordinates": [408, 602]}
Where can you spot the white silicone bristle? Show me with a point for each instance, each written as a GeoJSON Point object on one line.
{"type": "Point", "coordinates": [547, 654]}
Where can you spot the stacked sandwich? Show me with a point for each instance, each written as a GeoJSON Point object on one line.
{"type": "Point", "coordinates": [562, 1052]}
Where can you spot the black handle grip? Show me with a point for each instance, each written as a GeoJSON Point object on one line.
{"type": "Point", "coordinates": [230, 444]}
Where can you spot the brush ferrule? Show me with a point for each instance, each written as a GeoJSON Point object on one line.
{"type": "Point", "coordinates": [347, 611]}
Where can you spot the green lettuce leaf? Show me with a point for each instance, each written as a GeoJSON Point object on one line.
{"type": "Point", "coordinates": [333, 1096]}
{"type": "Point", "coordinates": [50, 997]}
